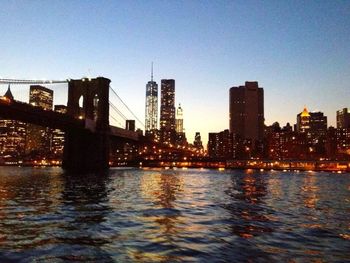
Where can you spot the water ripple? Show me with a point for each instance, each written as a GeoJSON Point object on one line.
{"type": "Point", "coordinates": [173, 216]}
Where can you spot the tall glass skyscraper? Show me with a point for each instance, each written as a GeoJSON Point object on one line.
{"type": "Point", "coordinates": [38, 139]}
{"type": "Point", "coordinates": [167, 110]}
{"type": "Point", "coordinates": [151, 114]}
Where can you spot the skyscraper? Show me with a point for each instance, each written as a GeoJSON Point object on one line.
{"type": "Point", "coordinates": [343, 118]}
{"type": "Point", "coordinates": [303, 121]}
{"type": "Point", "coordinates": [247, 111]}
{"type": "Point", "coordinates": [151, 113]}
{"type": "Point", "coordinates": [179, 121]}
{"type": "Point", "coordinates": [39, 138]}
{"type": "Point", "coordinates": [167, 110]}
{"type": "Point", "coordinates": [58, 135]}
{"type": "Point", "coordinates": [12, 134]}
{"type": "Point", "coordinates": [197, 143]}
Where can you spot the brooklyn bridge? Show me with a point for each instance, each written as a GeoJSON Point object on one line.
{"type": "Point", "coordinates": [88, 133]}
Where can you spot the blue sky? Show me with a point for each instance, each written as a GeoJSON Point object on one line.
{"type": "Point", "coordinates": [299, 51]}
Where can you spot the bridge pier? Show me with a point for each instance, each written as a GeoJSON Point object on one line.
{"type": "Point", "coordinates": [87, 150]}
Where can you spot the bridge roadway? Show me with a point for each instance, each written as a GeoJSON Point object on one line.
{"type": "Point", "coordinates": [16, 110]}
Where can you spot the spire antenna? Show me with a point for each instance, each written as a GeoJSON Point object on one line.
{"type": "Point", "coordinates": [152, 72]}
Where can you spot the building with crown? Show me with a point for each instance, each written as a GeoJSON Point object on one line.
{"type": "Point", "coordinates": [12, 135]}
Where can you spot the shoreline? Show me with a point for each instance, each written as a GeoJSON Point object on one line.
{"type": "Point", "coordinates": [259, 165]}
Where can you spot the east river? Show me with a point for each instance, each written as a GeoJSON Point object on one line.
{"type": "Point", "coordinates": [158, 215]}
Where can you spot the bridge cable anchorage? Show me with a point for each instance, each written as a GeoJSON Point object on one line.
{"type": "Point", "coordinates": [31, 81]}
{"type": "Point", "coordinates": [117, 110]}
{"type": "Point", "coordinates": [126, 106]}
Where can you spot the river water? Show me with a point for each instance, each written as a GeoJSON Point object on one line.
{"type": "Point", "coordinates": [157, 215]}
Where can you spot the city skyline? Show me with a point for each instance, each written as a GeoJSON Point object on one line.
{"type": "Point", "coordinates": [297, 51]}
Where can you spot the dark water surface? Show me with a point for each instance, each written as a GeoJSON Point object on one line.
{"type": "Point", "coordinates": [131, 215]}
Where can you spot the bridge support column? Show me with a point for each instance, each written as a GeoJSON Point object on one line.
{"type": "Point", "coordinates": [86, 151]}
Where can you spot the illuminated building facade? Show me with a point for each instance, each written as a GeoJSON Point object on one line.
{"type": "Point", "coordinates": [343, 118]}
{"type": "Point", "coordinates": [12, 135]}
{"type": "Point", "coordinates": [303, 121]}
{"type": "Point", "coordinates": [58, 135]}
{"type": "Point", "coordinates": [179, 121]}
{"type": "Point", "coordinates": [167, 111]}
{"type": "Point", "coordinates": [220, 145]}
{"type": "Point", "coordinates": [151, 114]}
{"type": "Point", "coordinates": [38, 139]}
{"type": "Point", "coordinates": [247, 111]}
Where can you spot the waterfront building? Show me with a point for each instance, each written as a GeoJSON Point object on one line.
{"type": "Point", "coordinates": [151, 111]}
{"type": "Point", "coordinates": [338, 143]}
{"type": "Point", "coordinates": [343, 118]}
{"type": "Point", "coordinates": [12, 134]}
{"type": "Point", "coordinates": [303, 121]}
{"type": "Point", "coordinates": [167, 111]}
{"type": "Point", "coordinates": [38, 139]}
{"type": "Point", "coordinates": [314, 126]}
{"type": "Point", "coordinates": [247, 111]}
{"type": "Point", "coordinates": [58, 135]}
{"type": "Point", "coordinates": [197, 143]}
{"type": "Point", "coordinates": [220, 145]}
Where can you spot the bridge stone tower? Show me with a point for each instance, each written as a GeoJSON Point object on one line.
{"type": "Point", "coordinates": [87, 149]}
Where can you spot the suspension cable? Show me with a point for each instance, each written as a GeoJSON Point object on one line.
{"type": "Point", "coordinates": [126, 106]}
{"type": "Point", "coordinates": [117, 110]}
{"type": "Point", "coordinates": [31, 81]}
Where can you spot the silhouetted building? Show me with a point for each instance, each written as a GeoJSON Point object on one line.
{"type": "Point", "coordinates": [38, 139]}
{"type": "Point", "coordinates": [151, 114]}
{"type": "Point", "coordinates": [130, 125]}
{"type": "Point", "coordinates": [12, 134]}
{"type": "Point", "coordinates": [220, 145]}
{"type": "Point", "coordinates": [343, 118]}
{"type": "Point", "coordinates": [197, 143]}
{"type": "Point", "coordinates": [167, 111]}
{"type": "Point", "coordinates": [247, 111]}
{"type": "Point", "coordinates": [58, 135]}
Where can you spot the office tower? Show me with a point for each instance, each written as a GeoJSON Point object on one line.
{"type": "Point", "coordinates": [343, 118]}
{"type": "Point", "coordinates": [179, 121]}
{"type": "Point", "coordinates": [58, 135]}
{"type": "Point", "coordinates": [220, 145]}
{"type": "Point", "coordinates": [312, 122]}
{"type": "Point", "coordinates": [38, 139]}
{"type": "Point", "coordinates": [318, 123]}
{"type": "Point", "coordinates": [130, 125]}
{"type": "Point", "coordinates": [12, 134]}
{"type": "Point", "coordinates": [167, 111]}
{"type": "Point", "coordinates": [151, 113]}
{"type": "Point", "coordinates": [247, 111]}
{"type": "Point", "coordinates": [197, 143]}
{"type": "Point", "coordinates": [303, 121]}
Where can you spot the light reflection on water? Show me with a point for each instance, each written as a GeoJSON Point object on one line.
{"type": "Point", "coordinates": [131, 215]}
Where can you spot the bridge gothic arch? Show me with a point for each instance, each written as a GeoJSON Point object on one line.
{"type": "Point", "coordinates": [88, 148]}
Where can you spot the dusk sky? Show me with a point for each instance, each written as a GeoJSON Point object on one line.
{"type": "Point", "coordinates": [298, 51]}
